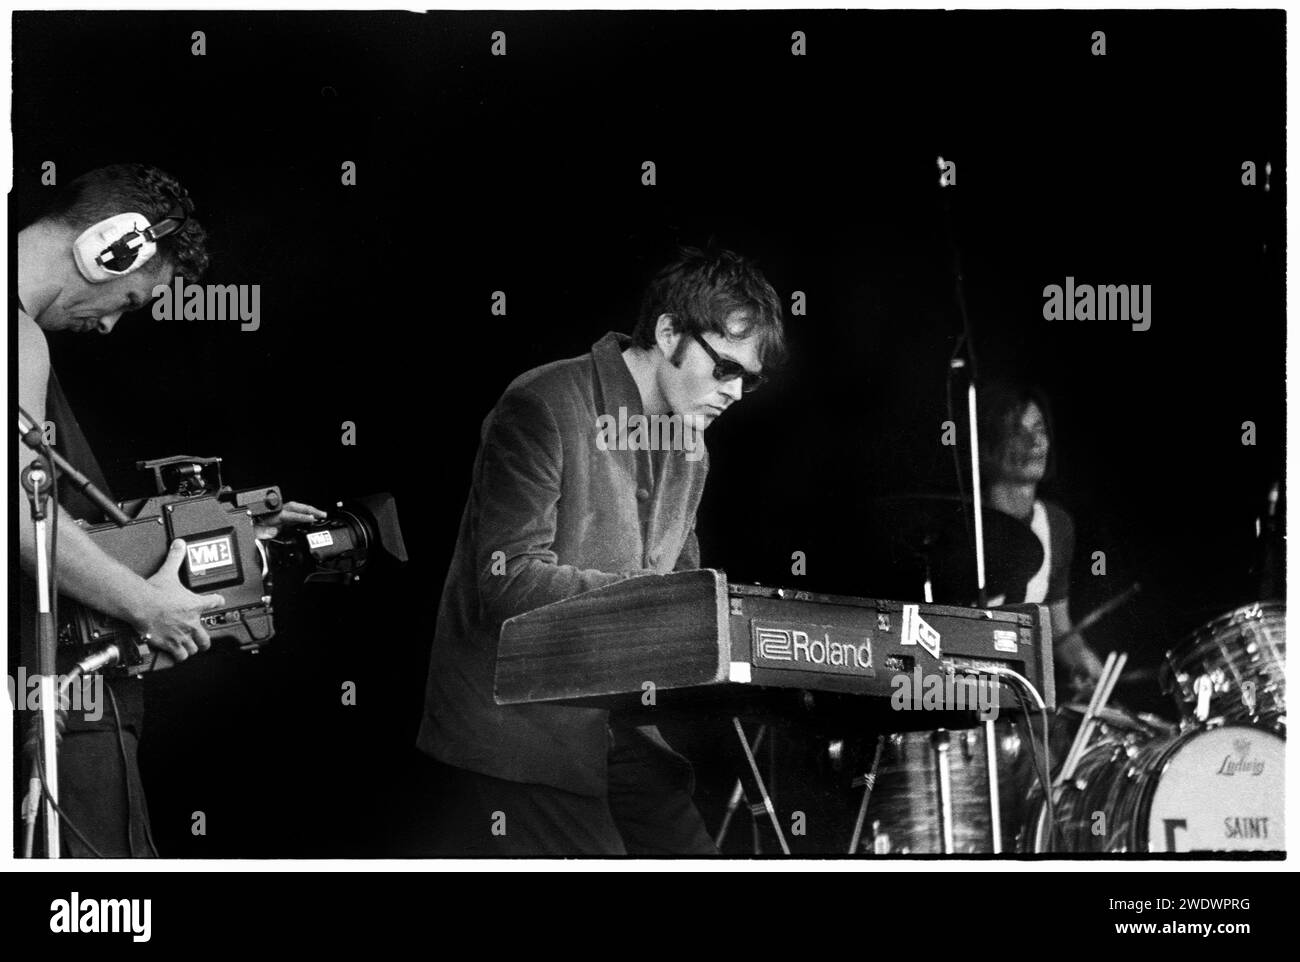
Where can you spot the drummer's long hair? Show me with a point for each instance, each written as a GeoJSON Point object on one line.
{"type": "Point", "coordinates": [1001, 403]}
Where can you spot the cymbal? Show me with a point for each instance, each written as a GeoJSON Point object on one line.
{"type": "Point", "coordinates": [920, 530]}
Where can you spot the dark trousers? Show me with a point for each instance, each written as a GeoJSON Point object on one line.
{"type": "Point", "coordinates": [647, 812]}
{"type": "Point", "coordinates": [101, 793]}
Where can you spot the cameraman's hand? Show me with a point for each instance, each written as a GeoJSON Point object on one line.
{"type": "Point", "coordinates": [290, 513]}
{"type": "Point", "coordinates": [170, 617]}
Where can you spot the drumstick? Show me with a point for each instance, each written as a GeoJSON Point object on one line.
{"type": "Point", "coordinates": [1067, 766]}
{"type": "Point", "coordinates": [1112, 681]}
{"type": "Point", "coordinates": [1071, 757]}
{"type": "Point", "coordinates": [1105, 688]}
{"type": "Point", "coordinates": [1093, 701]}
{"type": "Point", "coordinates": [1108, 687]}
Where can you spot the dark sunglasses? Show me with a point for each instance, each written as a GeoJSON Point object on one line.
{"type": "Point", "coordinates": [725, 369]}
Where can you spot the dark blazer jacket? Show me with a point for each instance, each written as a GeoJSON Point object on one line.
{"type": "Point", "coordinates": [567, 517]}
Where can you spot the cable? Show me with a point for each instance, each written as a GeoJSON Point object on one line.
{"type": "Point", "coordinates": [1049, 801]}
{"type": "Point", "coordinates": [37, 750]}
{"type": "Point", "coordinates": [35, 746]}
{"type": "Point", "coordinates": [63, 817]}
{"type": "Point", "coordinates": [148, 834]}
{"type": "Point", "coordinates": [1019, 686]}
{"type": "Point", "coordinates": [126, 771]}
{"type": "Point", "coordinates": [1043, 783]}
{"type": "Point", "coordinates": [1052, 827]}
{"type": "Point", "coordinates": [126, 768]}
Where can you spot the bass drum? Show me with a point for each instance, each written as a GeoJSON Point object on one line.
{"type": "Point", "coordinates": [1118, 734]}
{"type": "Point", "coordinates": [1202, 790]}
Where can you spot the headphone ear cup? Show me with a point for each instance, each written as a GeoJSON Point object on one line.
{"type": "Point", "coordinates": [84, 251]}
{"type": "Point", "coordinates": [104, 242]}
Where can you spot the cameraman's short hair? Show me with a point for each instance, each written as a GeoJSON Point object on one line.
{"type": "Point", "coordinates": [701, 289]}
{"type": "Point", "coordinates": [139, 189]}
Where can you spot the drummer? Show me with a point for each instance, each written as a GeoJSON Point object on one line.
{"type": "Point", "coordinates": [1015, 427]}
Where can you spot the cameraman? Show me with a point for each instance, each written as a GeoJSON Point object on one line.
{"type": "Point", "coordinates": [58, 290]}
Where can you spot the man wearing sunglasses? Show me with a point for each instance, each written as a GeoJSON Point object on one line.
{"type": "Point", "coordinates": [552, 512]}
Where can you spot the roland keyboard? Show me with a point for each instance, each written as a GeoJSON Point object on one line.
{"type": "Point", "coordinates": [690, 639]}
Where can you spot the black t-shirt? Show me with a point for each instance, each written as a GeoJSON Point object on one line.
{"type": "Point", "coordinates": [1060, 551]}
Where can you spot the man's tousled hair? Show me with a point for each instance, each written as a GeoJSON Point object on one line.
{"type": "Point", "coordinates": [140, 189]}
{"type": "Point", "coordinates": [701, 289]}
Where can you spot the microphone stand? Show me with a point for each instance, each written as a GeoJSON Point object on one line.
{"type": "Point", "coordinates": [38, 481]}
{"type": "Point", "coordinates": [956, 363]}
{"type": "Point", "coordinates": [30, 433]}
{"type": "Point", "coordinates": [969, 362]}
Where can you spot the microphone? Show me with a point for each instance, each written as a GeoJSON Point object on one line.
{"type": "Point", "coordinates": [34, 438]}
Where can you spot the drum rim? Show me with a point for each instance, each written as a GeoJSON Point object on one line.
{"type": "Point", "coordinates": [1255, 611]}
{"type": "Point", "coordinates": [1187, 648]}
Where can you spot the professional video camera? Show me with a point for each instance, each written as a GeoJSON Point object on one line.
{"type": "Point", "coordinates": [222, 554]}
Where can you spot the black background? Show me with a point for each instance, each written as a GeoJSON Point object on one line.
{"type": "Point", "coordinates": [523, 174]}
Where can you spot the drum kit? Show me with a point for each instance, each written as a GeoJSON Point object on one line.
{"type": "Point", "coordinates": [1128, 782]}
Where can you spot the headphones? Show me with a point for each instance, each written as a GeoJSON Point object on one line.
{"type": "Point", "coordinates": [122, 244]}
